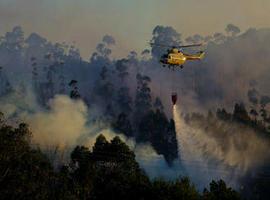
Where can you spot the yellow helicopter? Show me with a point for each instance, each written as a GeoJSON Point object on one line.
{"type": "Point", "coordinates": [176, 57]}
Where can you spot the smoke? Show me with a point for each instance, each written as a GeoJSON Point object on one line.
{"type": "Point", "coordinates": [63, 124]}
{"type": "Point", "coordinates": [67, 123]}
{"type": "Point", "coordinates": [206, 157]}
{"type": "Point", "coordinates": [232, 61]}
{"type": "Point", "coordinates": [59, 125]}
{"type": "Point", "coordinates": [239, 57]}
{"type": "Point", "coordinates": [155, 165]}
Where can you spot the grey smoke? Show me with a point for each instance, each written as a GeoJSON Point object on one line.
{"type": "Point", "coordinates": [209, 155]}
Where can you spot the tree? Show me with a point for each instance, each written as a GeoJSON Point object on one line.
{"type": "Point", "coordinates": [34, 74]}
{"type": "Point", "coordinates": [145, 54]}
{"type": "Point", "coordinates": [82, 172]}
{"type": "Point", "coordinates": [14, 40]}
{"type": "Point", "coordinates": [124, 100]}
{"type": "Point", "coordinates": [104, 88]}
{"type": "Point", "coordinates": [164, 35]}
{"type": "Point", "coordinates": [74, 93]}
{"type": "Point", "coordinates": [123, 125]}
{"type": "Point", "coordinates": [109, 171]}
{"type": "Point", "coordinates": [35, 41]}
{"type": "Point", "coordinates": [263, 102]}
{"type": "Point", "coordinates": [121, 67]}
{"type": "Point", "coordinates": [181, 188]}
{"type": "Point", "coordinates": [101, 144]}
{"type": "Point", "coordinates": [143, 100]}
{"type": "Point", "coordinates": [118, 175]}
{"type": "Point", "coordinates": [240, 113]}
{"type": "Point", "coordinates": [1, 119]}
{"type": "Point", "coordinates": [158, 104]}
{"type": "Point", "coordinates": [24, 172]}
{"type": "Point", "coordinates": [5, 86]}
{"type": "Point", "coordinates": [219, 190]}
{"type": "Point", "coordinates": [232, 29]}
{"type": "Point", "coordinates": [103, 51]}
{"type": "Point", "coordinates": [219, 38]}
{"type": "Point", "coordinates": [74, 53]}
{"type": "Point", "coordinates": [155, 128]}
{"type": "Point", "coordinates": [223, 114]}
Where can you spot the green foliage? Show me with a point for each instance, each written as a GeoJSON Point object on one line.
{"type": "Point", "coordinates": [258, 120]}
{"type": "Point", "coordinates": [178, 189]}
{"type": "Point", "coordinates": [219, 190]}
{"type": "Point", "coordinates": [24, 172]}
{"type": "Point", "coordinates": [121, 67]}
{"type": "Point", "coordinates": [232, 29]}
{"type": "Point", "coordinates": [110, 167]}
{"type": "Point", "coordinates": [123, 125]}
{"type": "Point", "coordinates": [223, 114]}
{"type": "Point", "coordinates": [143, 100]}
{"type": "Point", "coordinates": [104, 90]}
{"type": "Point", "coordinates": [124, 100]}
{"type": "Point", "coordinates": [164, 35]}
{"type": "Point", "coordinates": [156, 128]}
{"type": "Point", "coordinates": [108, 171]}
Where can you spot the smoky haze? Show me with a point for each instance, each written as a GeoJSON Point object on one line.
{"type": "Point", "coordinates": [85, 21]}
{"type": "Point", "coordinates": [235, 69]}
{"type": "Point", "coordinates": [207, 155]}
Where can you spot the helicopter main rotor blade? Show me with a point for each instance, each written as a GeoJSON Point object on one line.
{"type": "Point", "coordinates": [191, 45]}
{"type": "Point", "coordinates": [171, 46]}
{"type": "Point", "coordinates": [160, 45]}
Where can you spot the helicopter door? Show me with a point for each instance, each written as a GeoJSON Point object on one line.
{"type": "Point", "coordinates": [172, 58]}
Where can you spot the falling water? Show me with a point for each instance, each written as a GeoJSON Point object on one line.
{"type": "Point", "coordinates": [201, 168]}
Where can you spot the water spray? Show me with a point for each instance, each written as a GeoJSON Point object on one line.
{"type": "Point", "coordinates": [195, 157]}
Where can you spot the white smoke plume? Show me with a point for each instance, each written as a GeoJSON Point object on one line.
{"type": "Point", "coordinates": [68, 123]}
{"type": "Point", "coordinates": [61, 125]}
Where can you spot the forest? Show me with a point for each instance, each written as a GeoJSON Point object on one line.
{"type": "Point", "coordinates": [54, 100]}
{"type": "Point", "coordinates": [108, 171]}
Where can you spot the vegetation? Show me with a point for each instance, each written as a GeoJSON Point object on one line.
{"type": "Point", "coordinates": [241, 121]}
{"type": "Point", "coordinates": [108, 171]}
{"type": "Point", "coordinates": [122, 92]}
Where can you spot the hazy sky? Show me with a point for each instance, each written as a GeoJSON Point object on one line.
{"type": "Point", "coordinates": [129, 21]}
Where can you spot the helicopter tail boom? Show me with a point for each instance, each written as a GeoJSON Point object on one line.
{"type": "Point", "coordinates": [199, 56]}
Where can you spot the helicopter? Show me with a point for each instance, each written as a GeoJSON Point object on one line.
{"type": "Point", "coordinates": [176, 57]}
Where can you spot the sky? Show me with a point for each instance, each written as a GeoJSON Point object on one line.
{"type": "Point", "coordinates": [130, 22]}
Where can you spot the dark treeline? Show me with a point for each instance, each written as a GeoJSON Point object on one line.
{"type": "Point", "coordinates": [256, 115]}
{"type": "Point", "coordinates": [107, 171]}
